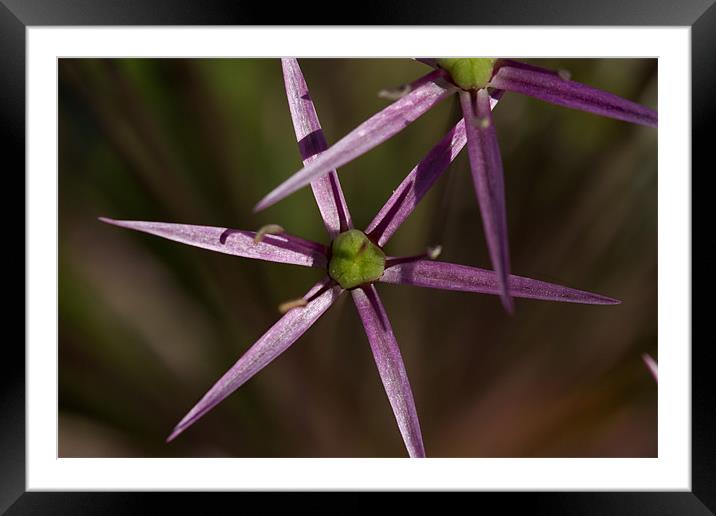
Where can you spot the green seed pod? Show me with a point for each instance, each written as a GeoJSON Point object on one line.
{"type": "Point", "coordinates": [355, 260]}
{"type": "Point", "coordinates": [468, 73]}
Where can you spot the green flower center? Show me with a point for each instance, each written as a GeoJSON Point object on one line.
{"type": "Point", "coordinates": [355, 260]}
{"type": "Point", "coordinates": [468, 73]}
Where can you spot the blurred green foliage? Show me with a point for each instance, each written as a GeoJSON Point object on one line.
{"type": "Point", "coordinates": [146, 325]}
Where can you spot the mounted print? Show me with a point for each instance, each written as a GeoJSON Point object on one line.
{"type": "Point", "coordinates": [450, 257]}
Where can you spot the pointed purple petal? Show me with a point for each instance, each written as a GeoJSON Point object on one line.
{"type": "Point", "coordinates": [366, 136]}
{"type": "Point", "coordinates": [274, 342]}
{"type": "Point", "coordinates": [417, 183]}
{"type": "Point", "coordinates": [450, 276]}
{"type": "Point", "coordinates": [390, 366]}
{"type": "Point", "coordinates": [432, 62]}
{"type": "Point", "coordinates": [650, 364]}
{"type": "Point", "coordinates": [571, 94]}
{"type": "Point", "coordinates": [487, 175]}
{"type": "Point", "coordinates": [311, 142]}
{"type": "Point", "coordinates": [280, 248]}
{"type": "Point", "coordinates": [523, 66]}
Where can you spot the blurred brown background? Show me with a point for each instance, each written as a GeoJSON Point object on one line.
{"type": "Point", "coordinates": [148, 325]}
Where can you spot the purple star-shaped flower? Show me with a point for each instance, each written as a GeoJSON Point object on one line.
{"type": "Point", "coordinates": [479, 83]}
{"type": "Point", "coordinates": [354, 263]}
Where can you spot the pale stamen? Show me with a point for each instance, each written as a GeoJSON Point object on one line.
{"type": "Point", "coordinates": [434, 252]}
{"type": "Point", "coordinates": [395, 93]}
{"type": "Point", "coordinates": [293, 303]}
{"type": "Point", "coordinates": [268, 229]}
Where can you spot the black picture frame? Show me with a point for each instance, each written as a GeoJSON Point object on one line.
{"type": "Point", "coordinates": [17, 15]}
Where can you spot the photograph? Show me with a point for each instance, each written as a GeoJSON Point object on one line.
{"type": "Point", "coordinates": [357, 257]}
